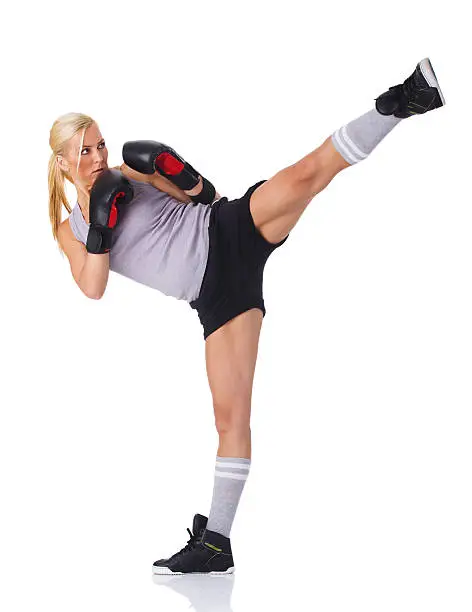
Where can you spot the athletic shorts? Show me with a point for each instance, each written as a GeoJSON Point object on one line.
{"type": "Point", "coordinates": [232, 282]}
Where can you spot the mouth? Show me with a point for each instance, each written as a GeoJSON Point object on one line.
{"type": "Point", "coordinates": [99, 170]}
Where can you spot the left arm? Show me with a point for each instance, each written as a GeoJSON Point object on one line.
{"type": "Point", "coordinates": [157, 181]}
{"type": "Point", "coordinates": [163, 184]}
{"type": "Point", "coordinates": [156, 158]}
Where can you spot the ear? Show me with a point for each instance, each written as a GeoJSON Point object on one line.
{"type": "Point", "coordinates": [62, 164]}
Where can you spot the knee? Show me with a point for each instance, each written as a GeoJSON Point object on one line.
{"type": "Point", "coordinates": [309, 167]}
{"type": "Point", "coordinates": [233, 427]}
{"type": "Point", "coordinates": [232, 416]}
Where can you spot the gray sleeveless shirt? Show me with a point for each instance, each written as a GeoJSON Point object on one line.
{"type": "Point", "coordinates": [158, 241]}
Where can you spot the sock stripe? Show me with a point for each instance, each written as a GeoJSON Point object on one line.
{"type": "Point", "coordinates": [224, 464]}
{"type": "Point", "coordinates": [342, 149]}
{"type": "Point", "coordinates": [234, 460]}
{"type": "Point", "coordinates": [231, 475]}
{"type": "Point", "coordinates": [348, 148]}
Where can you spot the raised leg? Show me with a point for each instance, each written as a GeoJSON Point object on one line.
{"type": "Point", "coordinates": [277, 205]}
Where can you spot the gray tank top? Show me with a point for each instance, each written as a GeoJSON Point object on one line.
{"type": "Point", "coordinates": [159, 241]}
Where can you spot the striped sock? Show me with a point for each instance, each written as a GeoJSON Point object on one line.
{"type": "Point", "coordinates": [230, 477]}
{"type": "Point", "coordinates": [356, 140]}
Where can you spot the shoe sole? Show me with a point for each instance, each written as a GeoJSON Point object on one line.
{"type": "Point", "coordinates": [428, 73]}
{"type": "Point", "coordinates": [165, 571]}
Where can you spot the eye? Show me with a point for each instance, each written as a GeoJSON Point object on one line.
{"type": "Point", "coordinates": [102, 144]}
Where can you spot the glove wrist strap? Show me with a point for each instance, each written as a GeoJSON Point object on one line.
{"type": "Point", "coordinates": [206, 195]}
{"type": "Point", "coordinates": [98, 240]}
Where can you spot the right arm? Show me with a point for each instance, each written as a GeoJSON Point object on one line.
{"type": "Point", "coordinates": [152, 157]}
{"type": "Point", "coordinates": [89, 271]}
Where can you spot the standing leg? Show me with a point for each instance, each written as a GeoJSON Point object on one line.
{"type": "Point", "coordinates": [231, 354]}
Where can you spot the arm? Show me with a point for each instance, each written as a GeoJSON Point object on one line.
{"type": "Point", "coordinates": [162, 183]}
{"type": "Point", "coordinates": [89, 271]}
{"type": "Point", "coordinates": [157, 181]}
{"type": "Point", "coordinates": [156, 158]}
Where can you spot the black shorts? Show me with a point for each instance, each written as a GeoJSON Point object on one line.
{"type": "Point", "coordinates": [237, 254]}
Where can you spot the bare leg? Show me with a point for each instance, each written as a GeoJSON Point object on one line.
{"type": "Point", "coordinates": [231, 354]}
{"type": "Point", "coordinates": [231, 351]}
{"type": "Point", "coordinates": [277, 205]}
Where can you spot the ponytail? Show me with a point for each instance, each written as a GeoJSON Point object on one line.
{"type": "Point", "coordinates": [63, 129]}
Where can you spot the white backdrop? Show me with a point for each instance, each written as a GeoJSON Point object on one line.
{"type": "Point", "coordinates": [359, 495]}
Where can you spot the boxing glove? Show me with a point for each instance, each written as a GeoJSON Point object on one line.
{"type": "Point", "coordinates": [110, 191]}
{"type": "Point", "coordinates": [149, 156]}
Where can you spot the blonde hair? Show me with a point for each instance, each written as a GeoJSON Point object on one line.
{"type": "Point", "coordinates": [63, 129]}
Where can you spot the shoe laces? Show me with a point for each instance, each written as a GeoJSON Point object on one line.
{"type": "Point", "coordinates": [414, 86]}
{"type": "Point", "coordinates": [192, 542]}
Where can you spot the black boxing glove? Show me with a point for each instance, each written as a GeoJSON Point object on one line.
{"type": "Point", "coordinates": [149, 156]}
{"type": "Point", "coordinates": [109, 192]}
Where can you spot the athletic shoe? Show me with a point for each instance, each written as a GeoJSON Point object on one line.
{"type": "Point", "coordinates": [207, 552]}
{"type": "Point", "coordinates": [418, 94]}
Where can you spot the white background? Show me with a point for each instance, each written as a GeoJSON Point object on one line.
{"type": "Point", "coordinates": [359, 495]}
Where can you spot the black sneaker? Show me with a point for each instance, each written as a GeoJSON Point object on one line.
{"type": "Point", "coordinates": [418, 94]}
{"type": "Point", "coordinates": [207, 552]}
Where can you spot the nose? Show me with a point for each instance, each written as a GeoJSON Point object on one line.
{"type": "Point", "coordinates": [99, 156]}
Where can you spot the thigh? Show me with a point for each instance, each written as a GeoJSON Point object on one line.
{"type": "Point", "coordinates": [231, 355]}
{"type": "Point", "coordinates": [233, 279]}
{"type": "Point", "coordinates": [278, 204]}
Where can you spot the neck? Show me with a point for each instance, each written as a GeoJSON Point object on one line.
{"type": "Point", "coordinates": [84, 205]}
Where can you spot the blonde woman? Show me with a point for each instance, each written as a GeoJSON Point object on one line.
{"type": "Point", "coordinates": [212, 256]}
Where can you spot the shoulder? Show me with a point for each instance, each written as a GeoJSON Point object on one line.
{"type": "Point", "coordinates": [65, 235]}
{"type": "Point", "coordinates": [64, 230]}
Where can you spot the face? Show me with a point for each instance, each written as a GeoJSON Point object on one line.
{"type": "Point", "coordinates": [93, 158]}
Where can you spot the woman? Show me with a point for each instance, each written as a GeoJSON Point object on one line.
{"type": "Point", "coordinates": [213, 257]}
